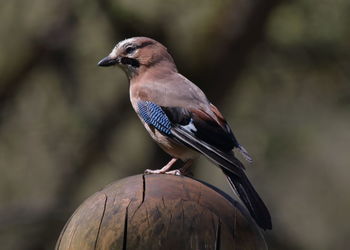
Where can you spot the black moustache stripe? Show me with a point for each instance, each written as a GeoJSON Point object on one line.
{"type": "Point", "coordinates": [130, 61]}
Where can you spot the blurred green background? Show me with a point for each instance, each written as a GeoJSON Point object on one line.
{"type": "Point", "coordinates": [278, 70]}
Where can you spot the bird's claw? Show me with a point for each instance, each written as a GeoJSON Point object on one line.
{"type": "Point", "coordinates": [151, 171]}
{"type": "Point", "coordinates": [174, 172]}
{"type": "Point", "coordinates": [159, 171]}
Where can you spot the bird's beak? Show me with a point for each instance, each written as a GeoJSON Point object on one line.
{"type": "Point", "coordinates": [108, 61]}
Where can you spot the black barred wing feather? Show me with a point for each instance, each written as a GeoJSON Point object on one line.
{"type": "Point", "coordinates": [153, 115]}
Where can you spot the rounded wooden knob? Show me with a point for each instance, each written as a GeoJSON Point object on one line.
{"type": "Point", "coordinates": [160, 212]}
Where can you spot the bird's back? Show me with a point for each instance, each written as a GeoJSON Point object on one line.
{"type": "Point", "coordinates": [169, 90]}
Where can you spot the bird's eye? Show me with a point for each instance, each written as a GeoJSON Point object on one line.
{"type": "Point", "coordinates": [130, 49]}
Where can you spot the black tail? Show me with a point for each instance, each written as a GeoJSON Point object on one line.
{"type": "Point", "coordinates": [251, 199]}
{"type": "Point", "coordinates": [234, 170]}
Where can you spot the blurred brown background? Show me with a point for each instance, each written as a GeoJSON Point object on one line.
{"type": "Point", "coordinates": [278, 70]}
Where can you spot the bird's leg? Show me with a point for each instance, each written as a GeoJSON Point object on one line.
{"type": "Point", "coordinates": [182, 171]}
{"type": "Point", "coordinates": [164, 169]}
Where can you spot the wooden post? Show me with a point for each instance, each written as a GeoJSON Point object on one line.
{"type": "Point", "coordinates": [160, 212]}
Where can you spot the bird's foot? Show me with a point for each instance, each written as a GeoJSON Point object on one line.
{"type": "Point", "coordinates": [185, 170]}
{"type": "Point", "coordinates": [156, 171]}
{"type": "Point", "coordinates": [160, 171]}
{"type": "Point", "coordinates": [164, 169]}
{"type": "Point", "coordinates": [174, 172]}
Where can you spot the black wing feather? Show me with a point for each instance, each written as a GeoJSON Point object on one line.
{"type": "Point", "coordinates": [216, 143]}
{"type": "Point", "coordinates": [233, 169]}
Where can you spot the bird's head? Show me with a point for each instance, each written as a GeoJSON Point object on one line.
{"type": "Point", "coordinates": [138, 54]}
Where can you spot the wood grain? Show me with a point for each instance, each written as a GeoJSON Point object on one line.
{"type": "Point", "coordinates": [160, 212]}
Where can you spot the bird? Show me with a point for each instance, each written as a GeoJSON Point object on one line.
{"type": "Point", "coordinates": [180, 118]}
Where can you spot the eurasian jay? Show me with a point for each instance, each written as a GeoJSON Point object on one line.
{"type": "Point", "coordinates": [180, 118]}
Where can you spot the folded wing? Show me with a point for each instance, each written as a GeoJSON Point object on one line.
{"type": "Point", "coordinates": [210, 135]}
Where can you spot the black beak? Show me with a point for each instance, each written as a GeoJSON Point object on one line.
{"type": "Point", "coordinates": [108, 61]}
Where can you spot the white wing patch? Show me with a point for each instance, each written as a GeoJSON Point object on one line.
{"type": "Point", "coordinates": [190, 126]}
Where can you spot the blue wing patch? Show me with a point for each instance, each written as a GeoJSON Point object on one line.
{"type": "Point", "coordinates": [153, 115]}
